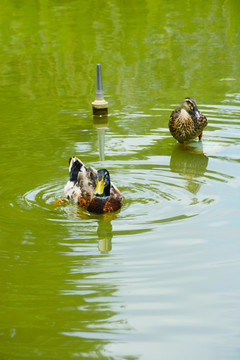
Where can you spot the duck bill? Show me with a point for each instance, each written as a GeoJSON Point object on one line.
{"type": "Point", "coordinates": [197, 113]}
{"type": "Point", "coordinates": [99, 187]}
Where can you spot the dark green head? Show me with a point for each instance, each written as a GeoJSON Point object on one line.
{"type": "Point", "coordinates": [102, 183]}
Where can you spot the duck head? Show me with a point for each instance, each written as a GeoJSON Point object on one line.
{"type": "Point", "coordinates": [102, 183]}
{"type": "Point", "coordinates": [189, 104]}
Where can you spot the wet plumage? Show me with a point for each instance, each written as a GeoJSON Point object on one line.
{"type": "Point", "coordinates": [187, 122]}
{"type": "Point", "coordinates": [92, 189]}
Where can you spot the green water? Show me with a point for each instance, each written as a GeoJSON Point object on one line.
{"type": "Point", "coordinates": [160, 278]}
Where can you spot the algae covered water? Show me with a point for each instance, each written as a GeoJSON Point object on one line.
{"type": "Point", "coordinates": [160, 277]}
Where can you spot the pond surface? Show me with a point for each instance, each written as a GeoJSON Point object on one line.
{"type": "Point", "coordinates": [158, 279]}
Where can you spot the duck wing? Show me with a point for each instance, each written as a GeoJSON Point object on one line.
{"type": "Point", "coordinates": [82, 181]}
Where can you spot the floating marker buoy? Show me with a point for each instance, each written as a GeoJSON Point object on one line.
{"type": "Point", "coordinates": [99, 105]}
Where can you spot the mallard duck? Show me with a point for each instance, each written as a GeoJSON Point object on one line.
{"type": "Point", "coordinates": [187, 123]}
{"type": "Point", "coordinates": [92, 189]}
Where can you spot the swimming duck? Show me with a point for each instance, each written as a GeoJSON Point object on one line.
{"type": "Point", "coordinates": [187, 123]}
{"type": "Point", "coordinates": [92, 189]}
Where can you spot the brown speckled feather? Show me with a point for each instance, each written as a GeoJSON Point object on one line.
{"type": "Point", "coordinates": [185, 125]}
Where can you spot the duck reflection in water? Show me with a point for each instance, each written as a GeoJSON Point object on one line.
{"type": "Point", "coordinates": [104, 233]}
{"type": "Point", "coordinates": [189, 163]}
{"type": "Point", "coordinates": [100, 227]}
{"type": "Point", "coordinates": [104, 229]}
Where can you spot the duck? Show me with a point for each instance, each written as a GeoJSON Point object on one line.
{"type": "Point", "coordinates": [92, 189]}
{"type": "Point", "coordinates": [187, 122]}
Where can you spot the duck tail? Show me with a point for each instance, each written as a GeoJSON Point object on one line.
{"type": "Point", "coordinates": [75, 166]}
